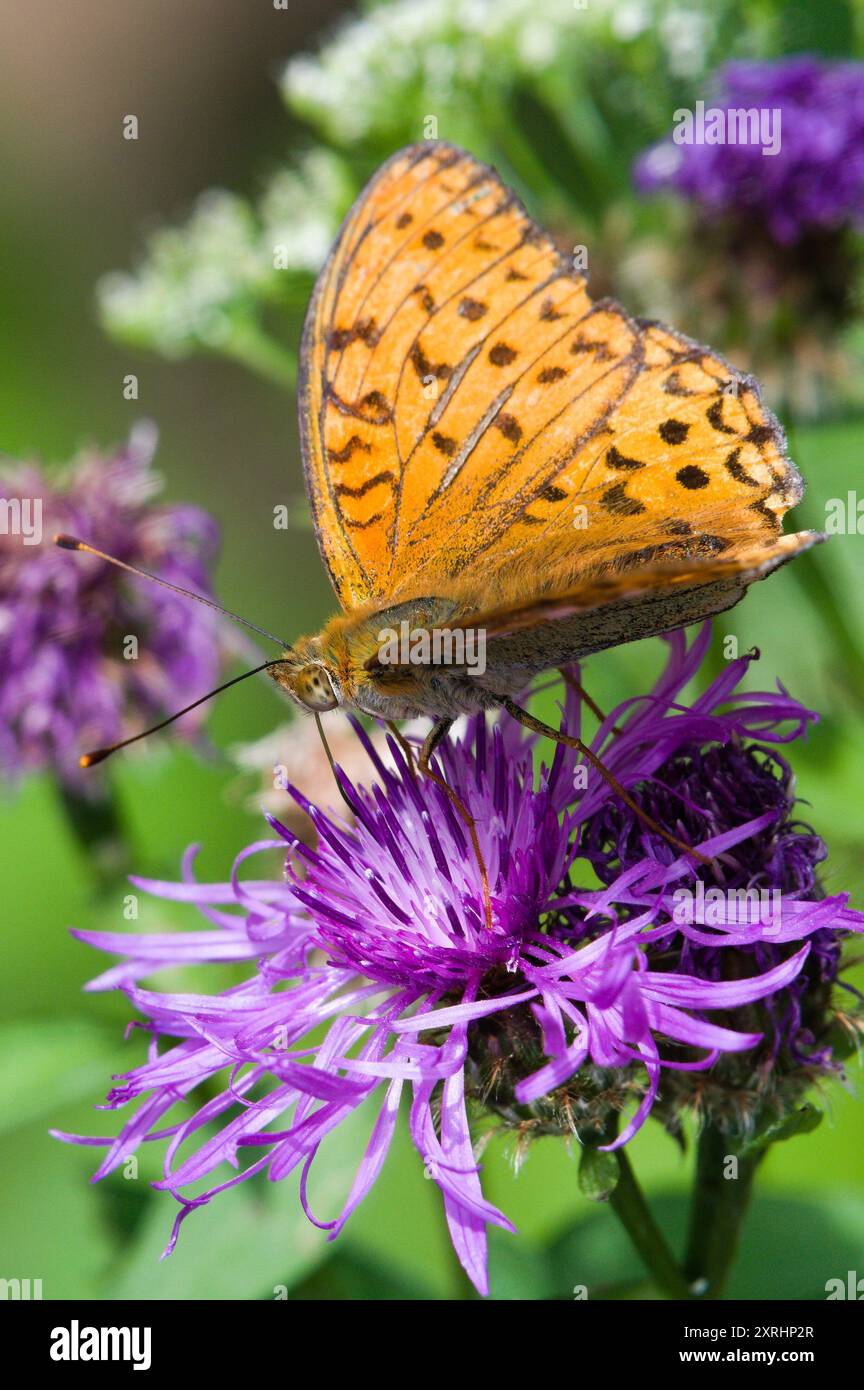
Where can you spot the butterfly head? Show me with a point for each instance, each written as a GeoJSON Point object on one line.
{"type": "Point", "coordinates": [306, 677]}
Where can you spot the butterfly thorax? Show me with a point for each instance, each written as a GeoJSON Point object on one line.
{"type": "Point", "coordinates": [398, 662]}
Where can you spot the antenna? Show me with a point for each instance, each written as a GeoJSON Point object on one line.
{"type": "Point", "coordinates": [100, 754]}
{"type": "Point", "coordinates": [71, 543]}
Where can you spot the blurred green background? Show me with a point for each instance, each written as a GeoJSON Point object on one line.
{"type": "Point", "coordinates": [562, 112]}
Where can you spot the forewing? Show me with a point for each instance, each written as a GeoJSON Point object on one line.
{"type": "Point", "coordinates": [474, 426]}
{"type": "Point", "coordinates": [434, 255]}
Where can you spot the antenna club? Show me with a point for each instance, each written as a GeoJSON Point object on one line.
{"type": "Point", "coordinates": [67, 542]}
{"type": "Point", "coordinates": [97, 756]}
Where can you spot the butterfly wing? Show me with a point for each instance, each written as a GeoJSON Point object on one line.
{"type": "Point", "coordinates": [740, 566]}
{"type": "Point", "coordinates": [435, 253]}
{"type": "Point", "coordinates": [473, 425]}
{"type": "Point", "coordinates": [616, 607]}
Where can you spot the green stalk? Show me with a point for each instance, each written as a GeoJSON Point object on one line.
{"type": "Point", "coordinates": [628, 1202]}
{"type": "Point", "coordinates": [255, 349]}
{"type": "Point", "coordinates": [718, 1208]}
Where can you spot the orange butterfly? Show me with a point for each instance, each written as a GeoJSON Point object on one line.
{"type": "Point", "coordinates": [488, 452]}
{"type": "Point", "coordinates": [487, 449]}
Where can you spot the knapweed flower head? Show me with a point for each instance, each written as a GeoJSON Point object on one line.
{"type": "Point", "coordinates": [373, 975]}
{"type": "Point", "coordinates": [813, 182]}
{"type": "Point", "coordinates": [88, 654]}
{"type": "Point", "coordinates": [772, 258]}
{"type": "Point", "coordinates": [739, 916]}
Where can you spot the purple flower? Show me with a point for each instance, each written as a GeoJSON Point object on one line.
{"type": "Point", "coordinates": [380, 934]}
{"type": "Point", "coordinates": [763, 890]}
{"type": "Point", "coordinates": [89, 655]}
{"type": "Point", "coordinates": [814, 183]}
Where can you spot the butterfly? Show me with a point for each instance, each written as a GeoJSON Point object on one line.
{"type": "Point", "coordinates": [487, 450]}
{"type": "Point", "coordinates": [490, 455]}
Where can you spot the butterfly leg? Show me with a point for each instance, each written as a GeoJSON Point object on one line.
{"type": "Point", "coordinates": [570, 679]}
{"type": "Point", "coordinates": [538, 727]}
{"type": "Point", "coordinates": [434, 737]}
{"type": "Point", "coordinates": [407, 750]}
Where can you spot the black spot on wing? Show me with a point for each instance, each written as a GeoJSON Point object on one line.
{"type": "Point", "coordinates": [761, 434]}
{"type": "Point", "coordinates": [425, 368]}
{"type": "Point", "coordinates": [364, 331]}
{"type": "Point", "coordinates": [673, 431]}
{"type": "Point", "coordinates": [444, 444]}
{"type": "Point", "coordinates": [472, 309]}
{"type": "Point", "coordinates": [598, 349]}
{"type": "Point", "coordinates": [615, 459]}
{"type": "Point", "coordinates": [509, 426]}
{"type": "Point", "coordinates": [770, 518]}
{"type": "Point", "coordinates": [673, 385]}
{"type": "Point", "coordinates": [548, 312]}
{"type": "Point", "coordinates": [373, 407]}
{"type": "Point", "coordinates": [692, 477]}
{"type": "Point", "coordinates": [616, 501]}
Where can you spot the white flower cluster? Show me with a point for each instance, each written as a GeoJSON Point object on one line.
{"type": "Point", "coordinates": [301, 211]}
{"type": "Point", "coordinates": [200, 282]}
{"type": "Point", "coordinates": [376, 83]}
{"type": "Point", "coordinates": [437, 51]}
{"type": "Point", "coordinates": [431, 48]}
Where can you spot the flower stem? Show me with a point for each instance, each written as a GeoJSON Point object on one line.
{"type": "Point", "coordinates": [262, 354]}
{"type": "Point", "coordinates": [721, 1196]}
{"type": "Point", "coordinates": [628, 1202]}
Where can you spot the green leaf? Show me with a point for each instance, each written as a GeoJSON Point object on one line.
{"type": "Point", "coordinates": [598, 1174]}
{"type": "Point", "coordinates": [55, 1061]}
{"type": "Point", "coordinates": [802, 1121]}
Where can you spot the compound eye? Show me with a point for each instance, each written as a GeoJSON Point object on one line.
{"type": "Point", "coordinates": [315, 689]}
